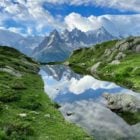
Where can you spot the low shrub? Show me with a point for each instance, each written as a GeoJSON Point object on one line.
{"type": "Point", "coordinates": [128, 83]}
{"type": "Point", "coordinates": [18, 131]}
{"type": "Point", "coordinates": [1, 107]}
{"type": "Point", "coordinates": [18, 85]}
{"type": "Point", "coordinates": [56, 105]}
{"type": "Point", "coordinates": [9, 97]}
{"type": "Point", "coordinates": [31, 104]}
{"type": "Point", "coordinates": [3, 135]}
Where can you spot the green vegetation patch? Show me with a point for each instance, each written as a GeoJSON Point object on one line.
{"type": "Point", "coordinates": [26, 112]}
{"type": "Point", "coordinates": [130, 118]}
{"type": "Point", "coordinates": [126, 73]}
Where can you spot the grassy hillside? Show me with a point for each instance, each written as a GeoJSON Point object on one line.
{"type": "Point", "coordinates": [26, 112]}
{"type": "Point", "coordinates": [117, 61]}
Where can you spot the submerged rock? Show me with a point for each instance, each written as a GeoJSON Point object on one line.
{"type": "Point", "coordinates": [137, 48]}
{"type": "Point", "coordinates": [107, 52]}
{"type": "Point", "coordinates": [123, 103]}
{"type": "Point", "coordinates": [69, 113]}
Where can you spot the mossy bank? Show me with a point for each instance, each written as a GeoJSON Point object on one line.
{"type": "Point", "coordinates": [26, 112]}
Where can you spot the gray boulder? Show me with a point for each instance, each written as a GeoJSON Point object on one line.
{"type": "Point", "coordinates": [95, 67]}
{"type": "Point", "coordinates": [107, 52]}
{"type": "Point", "coordinates": [120, 56]}
{"type": "Point", "coordinates": [137, 49]}
{"type": "Point", "coordinates": [119, 43]}
{"type": "Point", "coordinates": [122, 102]}
{"type": "Point", "coordinates": [115, 62]}
{"type": "Point", "coordinates": [125, 46]}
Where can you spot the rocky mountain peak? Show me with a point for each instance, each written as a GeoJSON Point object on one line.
{"type": "Point", "coordinates": [54, 38]}
{"type": "Point", "coordinates": [66, 31]}
{"type": "Point", "coordinates": [71, 40]}
{"type": "Point", "coordinates": [54, 32]}
{"type": "Point", "coordinates": [76, 31]}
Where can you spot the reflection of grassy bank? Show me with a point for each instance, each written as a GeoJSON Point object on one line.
{"type": "Point", "coordinates": [26, 112]}
{"type": "Point", "coordinates": [131, 118]}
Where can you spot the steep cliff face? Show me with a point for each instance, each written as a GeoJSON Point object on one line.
{"type": "Point", "coordinates": [26, 112]}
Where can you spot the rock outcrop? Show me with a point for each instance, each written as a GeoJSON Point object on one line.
{"type": "Point", "coordinates": [118, 52]}
{"type": "Point", "coordinates": [131, 43]}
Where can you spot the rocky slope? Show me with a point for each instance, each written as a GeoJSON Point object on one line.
{"type": "Point", "coordinates": [26, 112]}
{"type": "Point", "coordinates": [58, 46]}
{"type": "Point", "coordinates": [116, 61]}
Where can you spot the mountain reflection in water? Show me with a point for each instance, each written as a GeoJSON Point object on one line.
{"type": "Point", "coordinates": [81, 98]}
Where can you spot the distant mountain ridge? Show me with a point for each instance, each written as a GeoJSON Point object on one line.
{"type": "Point", "coordinates": [21, 43]}
{"type": "Point", "coordinates": [58, 46]}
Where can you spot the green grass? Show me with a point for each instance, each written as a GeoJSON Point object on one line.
{"type": "Point", "coordinates": [126, 74]}
{"type": "Point", "coordinates": [90, 56]}
{"type": "Point", "coordinates": [25, 96]}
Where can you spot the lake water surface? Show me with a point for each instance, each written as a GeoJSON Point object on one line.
{"type": "Point", "coordinates": [82, 103]}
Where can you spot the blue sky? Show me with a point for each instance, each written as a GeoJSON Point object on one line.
{"type": "Point", "coordinates": [39, 17]}
{"type": "Point", "coordinates": [84, 10]}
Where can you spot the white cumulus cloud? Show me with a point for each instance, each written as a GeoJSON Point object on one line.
{"type": "Point", "coordinates": [88, 82]}
{"type": "Point", "coordinates": [33, 17]}
{"type": "Point", "coordinates": [30, 14]}
{"type": "Point", "coordinates": [123, 25]}
{"type": "Point", "coordinates": [75, 20]}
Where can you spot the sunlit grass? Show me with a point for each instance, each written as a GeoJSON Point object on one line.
{"type": "Point", "coordinates": [26, 112]}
